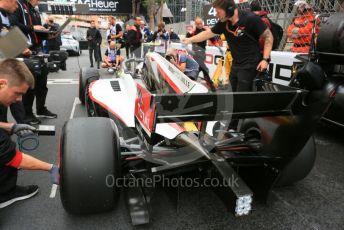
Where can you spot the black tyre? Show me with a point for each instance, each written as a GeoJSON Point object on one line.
{"type": "Point", "coordinates": [89, 165]}
{"type": "Point", "coordinates": [330, 35]}
{"type": "Point", "coordinates": [92, 108]}
{"type": "Point", "coordinates": [85, 76]}
{"type": "Point", "coordinates": [330, 40]}
{"type": "Point", "coordinates": [299, 167]}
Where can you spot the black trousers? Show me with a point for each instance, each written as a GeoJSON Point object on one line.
{"type": "Point", "coordinates": [135, 50]}
{"type": "Point", "coordinates": [8, 175]}
{"type": "Point", "coordinates": [40, 91]}
{"type": "Point", "coordinates": [52, 47]}
{"type": "Point", "coordinates": [199, 56]}
{"type": "Point", "coordinates": [94, 51]}
{"type": "Point", "coordinates": [17, 110]}
{"type": "Point", "coordinates": [127, 50]}
{"type": "Point", "coordinates": [8, 179]}
{"type": "Point", "coordinates": [241, 81]}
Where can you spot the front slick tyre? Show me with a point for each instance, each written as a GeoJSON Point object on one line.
{"type": "Point", "coordinates": [90, 162]}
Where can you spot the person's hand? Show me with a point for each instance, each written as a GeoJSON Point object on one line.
{"type": "Point", "coordinates": [22, 130]}
{"type": "Point", "coordinates": [262, 66]}
{"type": "Point", "coordinates": [186, 41]}
{"type": "Point", "coordinates": [173, 62]}
{"type": "Point", "coordinates": [53, 35]}
{"type": "Point", "coordinates": [27, 52]}
{"type": "Point", "coordinates": [39, 27]}
{"type": "Point", "coordinates": [54, 175]}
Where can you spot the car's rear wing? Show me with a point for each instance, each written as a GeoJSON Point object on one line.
{"type": "Point", "coordinates": [151, 109]}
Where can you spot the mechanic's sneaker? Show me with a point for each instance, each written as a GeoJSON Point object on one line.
{"type": "Point", "coordinates": [46, 114]}
{"type": "Point", "coordinates": [31, 120]}
{"type": "Point", "coordinates": [111, 70]}
{"type": "Point", "coordinates": [19, 193]}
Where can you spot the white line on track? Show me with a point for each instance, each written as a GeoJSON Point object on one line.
{"type": "Point", "coordinates": [63, 81]}
{"type": "Point", "coordinates": [53, 191]}
{"type": "Point", "coordinates": [54, 186]}
{"type": "Point", "coordinates": [76, 102]}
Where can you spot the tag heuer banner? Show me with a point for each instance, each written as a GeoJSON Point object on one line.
{"type": "Point", "coordinates": [96, 6]}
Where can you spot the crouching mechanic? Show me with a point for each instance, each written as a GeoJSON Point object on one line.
{"type": "Point", "coordinates": [184, 63]}
{"type": "Point", "coordinates": [15, 80]}
{"type": "Point", "coordinates": [112, 58]}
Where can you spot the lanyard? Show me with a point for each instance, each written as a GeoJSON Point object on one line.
{"type": "Point", "coordinates": [30, 22]}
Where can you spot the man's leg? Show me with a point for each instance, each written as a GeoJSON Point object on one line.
{"type": "Point", "coordinates": [8, 179]}
{"type": "Point", "coordinates": [200, 59]}
{"type": "Point", "coordinates": [127, 51]}
{"type": "Point", "coordinates": [136, 51]}
{"type": "Point", "coordinates": [41, 95]}
{"type": "Point", "coordinates": [18, 112]}
{"type": "Point", "coordinates": [241, 81]}
{"type": "Point", "coordinates": [233, 78]}
{"type": "Point", "coordinates": [234, 82]}
{"type": "Point", "coordinates": [90, 51]}
{"type": "Point", "coordinates": [10, 192]}
{"type": "Point", "coordinates": [28, 99]}
{"type": "Point", "coordinates": [132, 51]}
{"type": "Point", "coordinates": [245, 79]}
{"type": "Point", "coordinates": [97, 55]}
{"type": "Point", "coordinates": [41, 91]}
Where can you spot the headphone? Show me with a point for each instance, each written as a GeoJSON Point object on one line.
{"type": "Point", "coordinates": [230, 10]}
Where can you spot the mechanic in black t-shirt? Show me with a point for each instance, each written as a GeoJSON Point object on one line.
{"type": "Point", "coordinates": [242, 31]}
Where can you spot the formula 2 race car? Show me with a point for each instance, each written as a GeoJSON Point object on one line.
{"type": "Point", "coordinates": [151, 120]}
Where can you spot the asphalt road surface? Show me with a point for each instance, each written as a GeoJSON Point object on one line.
{"type": "Point", "coordinates": [315, 203]}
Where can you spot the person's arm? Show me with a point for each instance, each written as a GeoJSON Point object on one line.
{"type": "Point", "coordinates": [88, 37]}
{"type": "Point", "coordinates": [119, 30]}
{"type": "Point", "coordinates": [99, 37]}
{"type": "Point", "coordinates": [16, 19]}
{"type": "Point", "coordinates": [155, 35]}
{"type": "Point", "coordinates": [6, 126]}
{"type": "Point", "coordinates": [258, 27]}
{"type": "Point", "coordinates": [182, 63]}
{"type": "Point", "coordinates": [205, 35]}
{"type": "Point", "coordinates": [108, 34]}
{"type": "Point", "coordinates": [29, 162]}
{"type": "Point", "coordinates": [268, 42]}
{"type": "Point", "coordinates": [182, 67]}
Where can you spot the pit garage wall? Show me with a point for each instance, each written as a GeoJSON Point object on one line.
{"type": "Point", "coordinates": [280, 66]}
